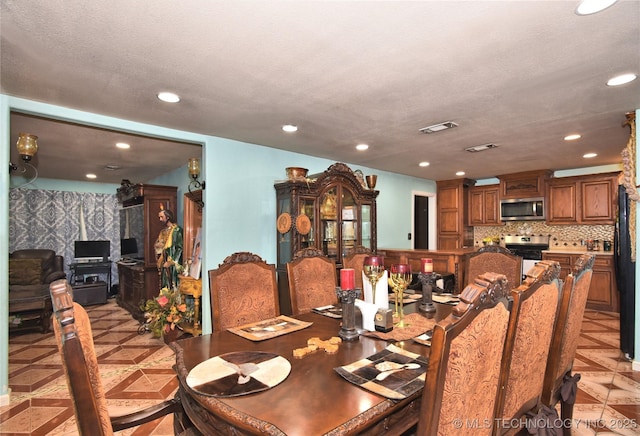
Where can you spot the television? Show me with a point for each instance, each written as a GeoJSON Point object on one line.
{"type": "Point", "coordinates": [92, 250]}
{"type": "Point", "coordinates": [129, 248]}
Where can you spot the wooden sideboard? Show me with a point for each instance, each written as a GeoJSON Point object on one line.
{"type": "Point", "coordinates": [444, 261]}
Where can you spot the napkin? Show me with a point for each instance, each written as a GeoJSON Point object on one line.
{"type": "Point", "coordinates": [382, 291]}
{"type": "Point", "coordinates": [368, 311]}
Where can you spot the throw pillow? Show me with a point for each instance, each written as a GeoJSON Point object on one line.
{"type": "Point", "coordinates": [25, 271]}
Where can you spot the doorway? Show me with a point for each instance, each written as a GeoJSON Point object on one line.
{"type": "Point", "coordinates": [423, 221]}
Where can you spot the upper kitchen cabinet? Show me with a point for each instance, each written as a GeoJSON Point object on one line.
{"type": "Point", "coordinates": [582, 199]}
{"type": "Point", "coordinates": [452, 204]}
{"type": "Point", "coordinates": [527, 184]}
{"type": "Point", "coordinates": [484, 205]}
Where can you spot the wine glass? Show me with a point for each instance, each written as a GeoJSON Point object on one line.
{"type": "Point", "coordinates": [373, 268]}
{"type": "Point", "coordinates": [400, 278]}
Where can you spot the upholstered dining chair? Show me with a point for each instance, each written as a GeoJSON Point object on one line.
{"type": "Point", "coordinates": [559, 382]}
{"type": "Point", "coordinates": [312, 280]}
{"type": "Point", "coordinates": [355, 259]}
{"type": "Point", "coordinates": [533, 315]}
{"type": "Point", "coordinates": [463, 376]}
{"type": "Point", "coordinates": [243, 290]}
{"type": "Point", "coordinates": [74, 338]}
{"type": "Point", "coordinates": [497, 259]}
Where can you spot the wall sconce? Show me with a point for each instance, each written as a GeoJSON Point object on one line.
{"type": "Point", "coordinates": [194, 173]}
{"type": "Point", "coordinates": [27, 146]}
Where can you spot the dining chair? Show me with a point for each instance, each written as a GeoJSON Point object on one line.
{"type": "Point", "coordinates": [243, 289]}
{"type": "Point", "coordinates": [497, 259]}
{"type": "Point", "coordinates": [463, 375]}
{"type": "Point", "coordinates": [355, 259]}
{"type": "Point", "coordinates": [312, 280]}
{"type": "Point", "coordinates": [533, 315]}
{"type": "Point", "coordinates": [560, 385]}
{"type": "Point", "coordinates": [74, 338]}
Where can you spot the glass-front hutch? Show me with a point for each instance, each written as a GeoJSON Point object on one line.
{"type": "Point", "coordinates": [333, 211]}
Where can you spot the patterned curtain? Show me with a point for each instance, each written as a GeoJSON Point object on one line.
{"type": "Point", "coordinates": [52, 219]}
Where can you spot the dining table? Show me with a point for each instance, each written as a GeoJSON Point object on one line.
{"type": "Point", "coordinates": [313, 399]}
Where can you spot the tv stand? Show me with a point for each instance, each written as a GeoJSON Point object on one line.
{"type": "Point", "coordinates": [87, 268]}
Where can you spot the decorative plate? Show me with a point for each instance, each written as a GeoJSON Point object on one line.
{"type": "Point", "coordinates": [238, 373]}
{"type": "Point", "coordinates": [284, 222]}
{"type": "Point", "coordinates": [303, 224]}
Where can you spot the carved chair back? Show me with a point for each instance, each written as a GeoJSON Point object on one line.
{"type": "Point", "coordinates": [463, 376]}
{"type": "Point", "coordinates": [74, 338]}
{"type": "Point", "coordinates": [355, 259]}
{"type": "Point", "coordinates": [497, 259]}
{"type": "Point", "coordinates": [565, 338]}
{"type": "Point", "coordinates": [533, 316]}
{"type": "Point", "coordinates": [312, 280]}
{"type": "Point", "coordinates": [243, 290]}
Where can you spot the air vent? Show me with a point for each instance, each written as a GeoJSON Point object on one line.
{"type": "Point", "coordinates": [111, 167]}
{"type": "Point", "coordinates": [480, 148]}
{"type": "Point", "coordinates": [439, 127]}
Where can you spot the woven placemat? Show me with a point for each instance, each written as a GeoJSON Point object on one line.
{"type": "Point", "coordinates": [416, 325]}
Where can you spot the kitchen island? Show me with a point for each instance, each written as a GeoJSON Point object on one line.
{"type": "Point", "coordinates": [444, 261]}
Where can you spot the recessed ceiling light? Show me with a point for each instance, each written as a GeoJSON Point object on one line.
{"type": "Point", "coordinates": [362, 147]}
{"type": "Point", "coordinates": [290, 128]}
{"type": "Point", "coordinates": [168, 97]}
{"type": "Point", "coordinates": [123, 145]}
{"type": "Point", "coordinates": [589, 155]}
{"type": "Point", "coordinates": [460, 173]}
{"type": "Point", "coordinates": [588, 7]}
{"type": "Point", "coordinates": [439, 127]}
{"type": "Point", "coordinates": [91, 176]}
{"type": "Point", "coordinates": [424, 164]}
{"type": "Point", "coordinates": [572, 137]}
{"type": "Point", "coordinates": [622, 79]}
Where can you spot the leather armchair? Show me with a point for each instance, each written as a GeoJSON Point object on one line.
{"type": "Point", "coordinates": [30, 273]}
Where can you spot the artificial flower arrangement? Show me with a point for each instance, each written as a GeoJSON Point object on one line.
{"type": "Point", "coordinates": [164, 312]}
{"type": "Point", "coordinates": [490, 240]}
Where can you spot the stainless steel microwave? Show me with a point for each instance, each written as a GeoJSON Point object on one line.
{"type": "Point", "coordinates": [522, 209]}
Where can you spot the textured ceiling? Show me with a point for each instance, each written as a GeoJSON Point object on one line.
{"type": "Point", "coordinates": [519, 74]}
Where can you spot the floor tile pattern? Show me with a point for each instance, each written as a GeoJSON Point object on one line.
{"type": "Point", "coordinates": [137, 372]}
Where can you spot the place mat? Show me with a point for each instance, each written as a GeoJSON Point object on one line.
{"type": "Point", "coordinates": [425, 338]}
{"type": "Point", "coordinates": [405, 372]}
{"type": "Point", "coordinates": [238, 373]}
{"type": "Point", "coordinates": [445, 299]}
{"type": "Point", "coordinates": [417, 324]}
{"type": "Point", "coordinates": [330, 311]}
{"type": "Point", "coordinates": [270, 328]}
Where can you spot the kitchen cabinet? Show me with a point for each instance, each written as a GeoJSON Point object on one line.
{"type": "Point", "coordinates": [484, 205]}
{"type": "Point", "coordinates": [582, 199]}
{"type": "Point", "coordinates": [452, 205]}
{"type": "Point", "coordinates": [603, 293]}
{"type": "Point", "coordinates": [333, 211]}
{"type": "Point", "coordinates": [140, 206]}
{"type": "Point", "coordinates": [528, 184]}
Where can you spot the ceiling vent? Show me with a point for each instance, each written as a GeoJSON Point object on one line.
{"type": "Point", "coordinates": [482, 147]}
{"type": "Point", "coordinates": [439, 127]}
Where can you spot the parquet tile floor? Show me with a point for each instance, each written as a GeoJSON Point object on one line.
{"type": "Point", "coordinates": [137, 372]}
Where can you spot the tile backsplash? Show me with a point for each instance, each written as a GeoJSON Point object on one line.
{"type": "Point", "coordinates": [561, 236]}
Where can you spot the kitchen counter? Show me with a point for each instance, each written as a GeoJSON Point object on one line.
{"type": "Point", "coordinates": [576, 250]}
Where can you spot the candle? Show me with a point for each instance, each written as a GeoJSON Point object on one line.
{"type": "Point", "coordinates": [427, 265]}
{"type": "Point", "coordinates": [347, 278]}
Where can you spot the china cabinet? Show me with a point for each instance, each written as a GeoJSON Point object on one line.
{"type": "Point", "coordinates": [333, 211]}
{"type": "Point", "coordinates": [139, 281]}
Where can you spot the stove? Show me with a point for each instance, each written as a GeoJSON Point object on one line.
{"type": "Point", "coordinates": [529, 247]}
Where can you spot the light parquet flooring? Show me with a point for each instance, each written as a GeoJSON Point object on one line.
{"type": "Point", "coordinates": [137, 372]}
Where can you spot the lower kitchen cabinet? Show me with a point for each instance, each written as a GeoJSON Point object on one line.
{"type": "Point", "coordinates": [603, 292]}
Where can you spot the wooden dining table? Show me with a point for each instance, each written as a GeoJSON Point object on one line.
{"type": "Point", "coordinates": [313, 399]}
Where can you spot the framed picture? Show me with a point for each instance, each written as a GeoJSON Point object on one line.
{"type": "Point", "coordinates": [196, 257]}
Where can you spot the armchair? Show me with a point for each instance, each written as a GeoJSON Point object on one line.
{"type": "Point", "coordinates": [30, 273]}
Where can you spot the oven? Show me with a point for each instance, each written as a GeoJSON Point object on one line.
{"type": "Point", "coordinates": [528, 247]}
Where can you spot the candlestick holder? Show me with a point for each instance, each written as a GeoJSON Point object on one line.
{"type": "Point", "coordinates": [428, 281]}
{"type": "Point", "coordinates": [347, 297]}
